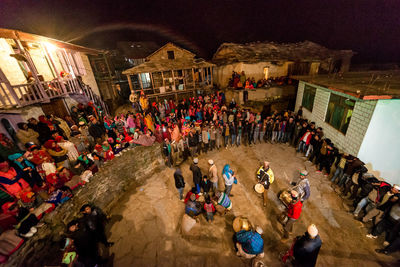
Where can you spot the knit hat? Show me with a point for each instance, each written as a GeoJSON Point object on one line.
{"type": "Point", "coordinates": [195, 160]}
{"type": "Point", "coordinates": [304, 172]}
{"type": "Point", "coordinates": [15, 156]}
{"type": "Point", "coordinates": [312, 230]}
{"type": "Point", "coordinates": [210, 161]}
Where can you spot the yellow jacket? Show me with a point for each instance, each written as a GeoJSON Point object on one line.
{"type": "Point", "coordinates": [261, 173]}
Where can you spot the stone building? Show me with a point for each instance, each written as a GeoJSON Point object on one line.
{"type": "Point", "coordinates": [171, 71]}
{"type": "Point", "coordinates": [359, 112]}
{"type": "Point", "coordinates": [269, 59]}
{"type": "Point", "coordinates": [40, 75]}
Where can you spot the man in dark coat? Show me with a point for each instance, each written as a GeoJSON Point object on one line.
{"type": "Point", "coordinates": [179, 182]}
{"type": "Point", "coordinates": [97, 130]}
{"type": "Point", "coordinates": [306, 248]}
{"type": "Point", "coordinates": [196, 174]}
{"type": "Point", "coordinates": [84, 242]}
{"type": "Point", "coordinates": [94, 219]}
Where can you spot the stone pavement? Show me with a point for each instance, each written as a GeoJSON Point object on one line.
{"type": "Point", "coordinates": [148, 233]}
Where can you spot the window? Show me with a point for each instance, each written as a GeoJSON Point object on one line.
{"type": "Point", "coordinates": [308, 97]}
{"type": "Point", "coordinates": [171, 54]}
{"type": "Point", "coordinates": [340, 110]}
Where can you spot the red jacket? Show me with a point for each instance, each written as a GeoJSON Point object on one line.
{"type": "Point", "coordinates": [308, 138]}
{"type": "Point", "coordinates": [294, 210]}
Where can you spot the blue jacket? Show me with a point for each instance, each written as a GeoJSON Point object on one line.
{"type": "Point", "coordinates": [252, 242]}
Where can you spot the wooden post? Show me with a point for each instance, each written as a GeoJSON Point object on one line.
{"type": "Point", "coordinates": [163, 81]}
{"type": "Point", "coordinates": [130, 83]}
{"type": "Point", "coordinates": [206, 68]}
{"type": "Point", "coordinates": [173, 78]}
{"type": "Point", "coordinates": [140, 81]}
{"type": "Point", "coordinates": [211, 76]}
{"type": "Point", "coordinates": [184, 83]}
{"type": "Point", "coordinates": [194, 82]}
{"type": "Point", "coordinates": [152, 81]}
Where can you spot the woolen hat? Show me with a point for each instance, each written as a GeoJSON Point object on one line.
{"type": "Point", "coordinates": [304, 172]}
{"type": "Point", "coordinates": [259, 230]}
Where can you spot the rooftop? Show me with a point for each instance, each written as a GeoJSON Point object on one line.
{"type": "Point", "coordinates": [29, 37]}
{"type": "Point", "coordinates": [266, 51]}
{"type": "Point", "coordinates": [363, 85]}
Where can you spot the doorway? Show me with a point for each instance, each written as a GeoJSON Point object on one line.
{"type": "Point", "coordinates": [55, 107]}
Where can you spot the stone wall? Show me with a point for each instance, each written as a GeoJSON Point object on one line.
{"type": "Point", "coordinates": [362, 113]}
{"type": "Point", "coordinates": [104, 190]}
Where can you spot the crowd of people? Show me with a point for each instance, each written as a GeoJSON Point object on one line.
{"type": "Point", "coordinates": [56, 155]}
{"type": "Point", "coordinates": [239, 80]}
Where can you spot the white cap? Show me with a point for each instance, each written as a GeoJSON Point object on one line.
{"type": "Point", "coordinates": [210, 161]}
{"type": "Point", "coordinates": [312, 230]}
{"type": "Point", "coordinates": [259, 230]}
{"type": "Point", "coordinates": [195, 160]}
{"type": "Point", "coordinates": [396, 186]}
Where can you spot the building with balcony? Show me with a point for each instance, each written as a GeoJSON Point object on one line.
{"type": "Point", "coordinates": [359, 112]}
{"type": "Point", "coordinates": [170, 71]}
{"type": "Point", "coordinates": [40, 75]}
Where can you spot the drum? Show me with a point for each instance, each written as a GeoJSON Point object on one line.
{"type": "Point", "coordinates": [285, 197]}
{"type": "Point", "coordinates": [259, 188]}
{"type": "Point", "coordinates": [241, 223]}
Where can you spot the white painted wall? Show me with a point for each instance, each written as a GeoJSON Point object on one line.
{"type": "Point", "coordinates": [380, 148]}
{"type": "Point", "coordinates": [362, 113]}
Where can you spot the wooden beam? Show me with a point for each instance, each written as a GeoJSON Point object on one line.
{"type": "Point", "coordinates": [130, 83]}
{"type": "Point", "coordinates": [173, 78]}
{"type": "Point", "coordinates": [152, 81]}
{"type": "Point", "coordinates": [163, 81]}
{"type": "Point", "coordinates": [184, 77]}
{"type": "Point", "coordinates": [140, 81]}
{"type": "Point", "coordinates": [211, 76]}
{"type": "Point", "coordinates": [194, 82]}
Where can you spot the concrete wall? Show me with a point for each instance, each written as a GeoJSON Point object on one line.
{"type": "Point", "coordinates": [222, 74]}
{"type": "Point", "coordinates": [89, 77]}
{"type": "Point", "coordinates": [359, 122]}
{"type": "Point", "coordinates": [380, 149]}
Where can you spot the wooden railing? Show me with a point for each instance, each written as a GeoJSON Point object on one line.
{"type": "Point", "coordinates": [32, 93]}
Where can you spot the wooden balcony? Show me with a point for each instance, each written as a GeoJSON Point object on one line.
{"type": "Point", "coordinates": [21, 95]}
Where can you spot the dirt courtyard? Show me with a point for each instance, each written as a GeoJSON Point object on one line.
{"type": "Point", "coordinates": [149, 233]}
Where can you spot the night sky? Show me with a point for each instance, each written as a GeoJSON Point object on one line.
{"type": "Point", "coordinates": [369, 27]}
